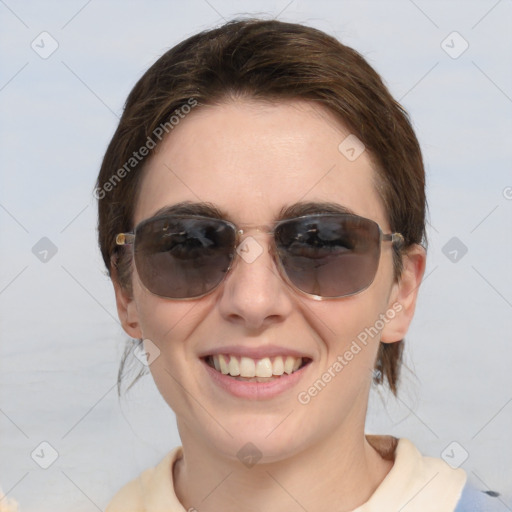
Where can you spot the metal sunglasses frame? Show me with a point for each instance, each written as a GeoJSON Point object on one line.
{"type": "Point", "coordinates": [129, 239]}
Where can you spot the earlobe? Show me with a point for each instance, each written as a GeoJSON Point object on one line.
{"type": "Point", "coordinates": [404, 294]}
{"type": "Point", "coordinates": [126, 308]}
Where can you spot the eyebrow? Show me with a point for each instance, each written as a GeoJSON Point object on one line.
{"type": "Point", "coordinates": [309, 207]}
{"type": "Point", "coordinates": [299, 209]}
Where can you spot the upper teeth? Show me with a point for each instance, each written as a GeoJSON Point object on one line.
{"type": "Point", "coordinates": [247, 367]}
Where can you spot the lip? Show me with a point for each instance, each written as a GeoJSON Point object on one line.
{"type": "Point", "coordinates": [255, 390]}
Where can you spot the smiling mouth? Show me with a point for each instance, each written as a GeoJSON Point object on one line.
{"type": "Point", "coordinates": [256, 370]}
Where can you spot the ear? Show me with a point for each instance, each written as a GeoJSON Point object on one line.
{"type": "Point", "coordinates": [126, 308]}
{"type": "Point", "coordinates": [402, 299]}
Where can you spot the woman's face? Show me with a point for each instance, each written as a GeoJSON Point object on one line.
{"type": "Point", "coordinates": [250, 159]}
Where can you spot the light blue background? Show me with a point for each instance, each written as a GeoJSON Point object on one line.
{"type": "Point", "coordinates": [60, 338]}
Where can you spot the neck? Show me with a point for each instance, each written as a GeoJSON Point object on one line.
{"type": "Point", "coordinates": [340, 473]}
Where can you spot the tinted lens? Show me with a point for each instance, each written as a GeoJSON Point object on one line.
{"type": "Point", "coordinates": [183, 257]}
{"type": "Point", "coordinates": [329, 255]}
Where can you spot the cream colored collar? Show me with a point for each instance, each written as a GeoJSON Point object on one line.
{"type": "Point", "coordinates": [414, 484]}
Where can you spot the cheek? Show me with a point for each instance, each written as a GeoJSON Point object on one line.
{"type": "Point", "coordinates": [163, 322]}
{"type": "Point", "coordinates": [167, 326]}
{"type": "Point", "coordinates": [353, 335]}
{"type": "Point", "coordinates": [349, 331]}
{"type": "Point", "coordinates": [339, 387]}
{"type": "Point", "coordinates": [354, 319]}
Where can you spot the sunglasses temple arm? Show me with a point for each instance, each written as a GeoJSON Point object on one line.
{"type": "Point", "coordinates": [125, 239]}
{"type": "Point", "coordinates": [395, 238]}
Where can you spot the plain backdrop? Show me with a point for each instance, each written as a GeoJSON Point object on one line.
{"type": "Point", "coordinates": [447, 62]}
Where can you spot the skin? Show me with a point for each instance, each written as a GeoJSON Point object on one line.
{"type": "Point", "coordinates": [250, 159]}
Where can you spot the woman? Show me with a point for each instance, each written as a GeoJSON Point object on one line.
{"type": "Point", "coordinates": [262, 217]}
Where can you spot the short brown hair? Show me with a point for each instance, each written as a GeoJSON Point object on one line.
{"type": "Point", "coordinates": [270, 60]}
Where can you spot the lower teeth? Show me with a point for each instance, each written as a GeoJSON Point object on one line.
{"type": "Point", "coordinates": [256, 379]}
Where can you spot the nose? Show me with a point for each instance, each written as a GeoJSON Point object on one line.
{"type": "Point", "coordinates": [254, 294]}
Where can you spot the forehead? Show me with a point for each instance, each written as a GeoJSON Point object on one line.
{"type": "Point", "coordinates": [251, 159]}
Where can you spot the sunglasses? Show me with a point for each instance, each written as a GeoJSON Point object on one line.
{"type": "Point", "coordinates": [324, 256]}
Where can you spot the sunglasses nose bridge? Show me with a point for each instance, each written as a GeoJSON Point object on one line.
{"type": "Point", "coordinates": [249, 249]}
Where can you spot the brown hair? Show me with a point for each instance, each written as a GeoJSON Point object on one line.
{"type": "Point", "coordinates": [267, 60]}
